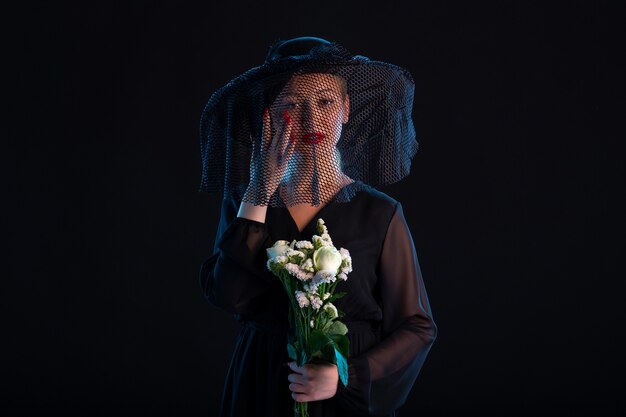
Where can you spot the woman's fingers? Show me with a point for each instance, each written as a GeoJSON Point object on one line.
{"type": "Point", "coordinates": [287, 145]}
{"type": "Point", "coordinates": [279, 138]}
{"type": "Point", "coordinates": [296, 379]}
{"type": "Point", "coordinates": [280, 142]}
{"type": "Point", "coordinates": [267, 129]}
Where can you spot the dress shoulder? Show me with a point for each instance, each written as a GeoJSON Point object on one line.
{"type": "Point", "coordinates": [378, 202]}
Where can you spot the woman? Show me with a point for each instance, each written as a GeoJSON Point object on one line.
{"type": "Point", "coordinates": [318, 127]}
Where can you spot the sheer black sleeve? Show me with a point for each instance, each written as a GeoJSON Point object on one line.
{"type": "Point", "coordinates": [235, 275]}
{"type": "Point", "coordinates": [381, 378]}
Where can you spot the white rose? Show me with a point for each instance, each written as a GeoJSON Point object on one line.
{"type": "Point", "coordinates": [279, 248]}
{"type": "Point", "coordinates": [327, 258]}
{"type": "Point", "coordinates": [331, 310]}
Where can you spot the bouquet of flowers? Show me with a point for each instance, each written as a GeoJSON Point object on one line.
{"type": "Point", "coordinates": [309, 272]}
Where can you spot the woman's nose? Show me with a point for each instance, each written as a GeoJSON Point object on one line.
{"type": "Point", "coordinates": [309, 116]}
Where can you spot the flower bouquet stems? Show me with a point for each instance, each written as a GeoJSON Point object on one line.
{"type": "Point", "coordinates": [310, 272]}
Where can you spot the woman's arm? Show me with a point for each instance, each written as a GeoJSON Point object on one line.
{"type": "Point", "coordinates": [235, 275]}
{"type": "Point", "coordinates": [380, 379]}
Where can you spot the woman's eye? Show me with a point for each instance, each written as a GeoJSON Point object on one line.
{"type": "Point", "coordinates": [326, 101]}
{"type": "Point", "coordinates": [291, 105]}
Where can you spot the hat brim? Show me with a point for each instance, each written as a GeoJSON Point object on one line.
{"type": "Point", "coordinates": [380, 123]}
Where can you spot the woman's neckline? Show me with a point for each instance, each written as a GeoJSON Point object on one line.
{"type": "Point", "coordinates": [313, 221]}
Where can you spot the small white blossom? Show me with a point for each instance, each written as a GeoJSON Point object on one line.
{"type": "Point", "coordinates": [279, 247]}
{"type": "Point", "coordinates": [312, 323]}
{"type": "Point", "coordinates": [319, 241]}
{"type": "Point", "coordinates": [326, 295]}
{"type": "Point", "coordinates": [304, 244]}
{"type": "Point", "coordinates": [276, 260]}
{"type": "Point", "coordinates": [293, 269]}
{"type": "Point", "coordinates": [321, 226]}
{"type": "Point", "coordinates": [307, 265]}
{"type": "Point", "coordinates": [292, 252]}
{"type": "Point", "coordinates": [342, 276]}
{"type": "Point", "coordinates": [302, 299]}
{"type": "Point", "coordinates": [316, 302]}
{"type": "Point", "coordinates": [323, 277]}
{"type": "Point", "coordinates": [310, 287]}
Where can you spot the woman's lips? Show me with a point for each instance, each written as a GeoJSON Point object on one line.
{"type": "Point", "coordinates": [313, 138]}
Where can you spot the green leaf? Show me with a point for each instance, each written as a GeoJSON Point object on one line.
{"type": "Point", "coordinates": [337, 328]}
{"type": "Point", "coordinates": [342, 367]}
{"type": "Point", "coordinates": [337, 295]}
{"type": "Point", "coordinates": [328, 352]}
{"type": "Point", "coordinates": [317, 340]}
{"type": "Point", "coordinates": [341, 343]}
{"type": "Point", "coordinates": [291, 350]}
{"type": "Point", "coordinates": [317, 354]}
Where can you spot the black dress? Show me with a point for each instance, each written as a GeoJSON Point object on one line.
{"type": "Point", "coordinates": [390, 324]}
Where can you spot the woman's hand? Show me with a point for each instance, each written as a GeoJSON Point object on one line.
{"type": "Point", "coordinates": [313, 381]}
{"type": "Point", "coordinates": [270, 159]}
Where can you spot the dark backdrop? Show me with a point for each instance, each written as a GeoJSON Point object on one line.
{"type": "Point", "coordinates": [514, 199]}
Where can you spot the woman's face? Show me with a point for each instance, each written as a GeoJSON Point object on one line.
{"type": "Point", "coordinates": [318, 107]}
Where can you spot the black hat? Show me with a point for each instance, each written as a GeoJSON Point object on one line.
{"type": "Point", "coordinates": [270, 136]}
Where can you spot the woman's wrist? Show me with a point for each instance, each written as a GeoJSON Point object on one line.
{"type": "Point", "coordinates": [250, 211]}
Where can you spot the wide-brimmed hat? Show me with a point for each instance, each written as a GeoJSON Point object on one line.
{"type": "Point", "coordinates": [374, 144]}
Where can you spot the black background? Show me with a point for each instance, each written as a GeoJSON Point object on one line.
{"type": "Point", "coordinates": [515, 199]}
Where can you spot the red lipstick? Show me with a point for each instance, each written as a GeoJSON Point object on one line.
{"type": "Point", "coordinates": [311, 138]}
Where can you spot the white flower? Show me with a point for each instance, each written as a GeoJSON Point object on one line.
{"type": "Point", "coordinates": [292, 252]}
{"type": "Point", "coordinates": [310, 287]}
{"type": "Point", "coordinates": [342, 276]}
{"type": "Point", "coordinates": [280, 259]}
{"type": "Point", "coordinates": [316, 302]}
{"type": "Point", "coordinates": [302, 299]}
{"type": "Point", "coordinates": [326, 295]}
{"type": "Point", "coordinates": [331, 310]}
{"type": "Point", "coordinates": [297, 272]}
{"type": "Point", "coordinates": [307, 265]}
{"type": "Point", "coordinates": [279, 247]}
{"type": "Point", "coordinates": [312, 323]}
{"type": "Point", "coordinates": [320, 241]}
{"type": "Point", "coordinates": [295, 255]}
{"type": "Point", "coordinates": [344, 253]}
{"type": "Point", "coordinates": [327, 258]}
{"type": "Point", "coordinates": [293, 269]}
{"type": "Point", "coordinates": [321, 228]}
{"type": "Point", "coordinates": [324, 277]}
{"type": "Point", "coordinates": [304, 244]}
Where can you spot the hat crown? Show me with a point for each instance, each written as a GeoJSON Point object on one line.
{"type": "Point", "coordinates": [307, 47]}
{"type": "Point", "coordinates": [370, 139]}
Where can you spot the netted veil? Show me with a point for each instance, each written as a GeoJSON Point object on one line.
{"type": "Point", "coordinates": [313, 123]}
